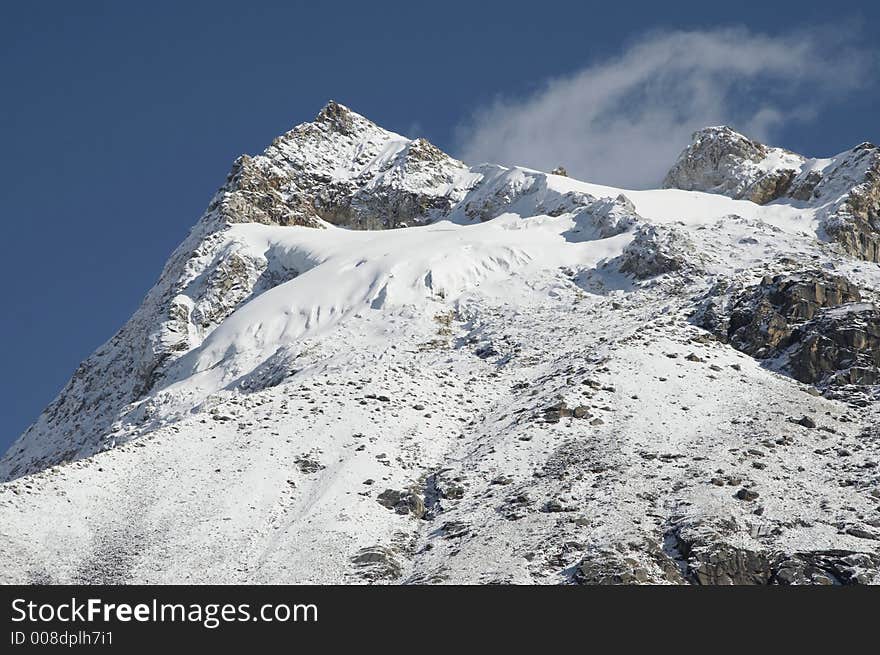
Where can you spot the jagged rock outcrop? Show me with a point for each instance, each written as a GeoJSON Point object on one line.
{"type": "Point", "coordinates": [854, 221]}
{"type": "Point", "coordinates": [840, 346]}
{"type": "Point", "coordinates": [720, 160]}
{"type": "Point", "coordinates": [762, 320]}
{"type": "Point", "coordinates": [632, 563]}
{"type": "Point", "coordinates": [813, 318]}
{"type": "Point", "coordinates": [344, 169]}
{"type": "Point", "coordinates": [253, 193]}
{"type": "Point", "coordinates": [718, 562]}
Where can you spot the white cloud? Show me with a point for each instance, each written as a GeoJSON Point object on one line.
{"type": "Point", "coordinates": [623, 121]}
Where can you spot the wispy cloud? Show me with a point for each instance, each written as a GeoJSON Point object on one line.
{"type": "Point", "coordinates": [624, 120]}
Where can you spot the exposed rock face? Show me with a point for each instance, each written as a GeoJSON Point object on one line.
{"type": "Point", "coordinates": [720, 160]}
{"type": "Point", "coordinates": [702, 557]}
{"type": "Point", "coordinates": [345, 170]}
{"type": "Point", "coordinates": [817, 320]}
{"type": "Point", "coordinates": [253, 193]}
{"type": "Point", "coordinates": [841, 346]}
{"type": "Point", "coordinates": [364, 204]}
{"type": "Point", "coordinates": [828, 567]}
{"type": "Point", "coordinates": [726, 565]}
{"type": "Point", "coordinates": [711, 562]}
{"type": "Point", "coordinates": [854, 222]}
{"type": "Point", "coordinates": [645, 564]}
{"type": "Point", "coordinates": [844, 188]}
{"type": "Point", "coordinates": [762, 321]}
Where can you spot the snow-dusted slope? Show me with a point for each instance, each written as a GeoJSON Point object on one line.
{"type": "Point", "coordinates": [527, 384]}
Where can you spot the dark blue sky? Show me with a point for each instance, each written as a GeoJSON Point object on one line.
{"type": "Point", "coordinates": [120, 119]}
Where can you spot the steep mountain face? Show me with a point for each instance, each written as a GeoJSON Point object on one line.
{"type": "Point", "coordinates": [844, 189]}
{"type": "Point", "coordinates": [369, 362]}
{"type": "Point", "coordinates": [339, 170]}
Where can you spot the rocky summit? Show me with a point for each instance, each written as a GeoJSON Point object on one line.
{"type": "Point", "coordinates": [369, 362]}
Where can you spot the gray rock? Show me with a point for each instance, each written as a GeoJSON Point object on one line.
{"type": "Point", "coordinates": [806, 422]}
{"type": "Point", "coordinates": [643, 562]}
{"type": "Point", "coordinates": [720, 160]}
{"type": "Point", "coordinates": [402, 502]}
{"type": "Point", "coordinates": [747, 495]}
{"type": "Point", "coordinates": [377, 563]}
{"type": "Point", "coordinates": [816, 320]}
{"type": "Point", "coordinates": [581, 411]}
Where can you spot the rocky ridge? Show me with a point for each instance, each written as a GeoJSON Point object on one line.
{"type": "Point", "coordinates": [844, 189]}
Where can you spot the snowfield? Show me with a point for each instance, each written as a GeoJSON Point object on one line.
{"type": "Point", "coordinates": [509, 386]}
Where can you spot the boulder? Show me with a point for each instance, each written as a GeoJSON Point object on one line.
{"type": "Point", "coordinates": [377, 563]}
{"type": "Point", "coordinates": [402, 502]}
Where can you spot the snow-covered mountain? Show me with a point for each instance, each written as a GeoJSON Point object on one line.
{"type": "Point", "coordinates": [369, 361]}
{"type": "Point", "coordinates": [845, 189]}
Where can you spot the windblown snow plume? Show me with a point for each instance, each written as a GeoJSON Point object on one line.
{"type": "Point", "coordinates": [623, 120]}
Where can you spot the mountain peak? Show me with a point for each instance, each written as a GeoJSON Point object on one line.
{"type": "Point", "coordinates": [721, 160]}
{"type": "Point", "coordinates": [336, 116]}
{"type": "Point", "coordinates": [844, 189]}
{"type": "Point", "coordinates": [725, 140]}
{"type": "Point", "coordinates": [330, 170]}
{"type": "Point", "coordinates": [719, 131]}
